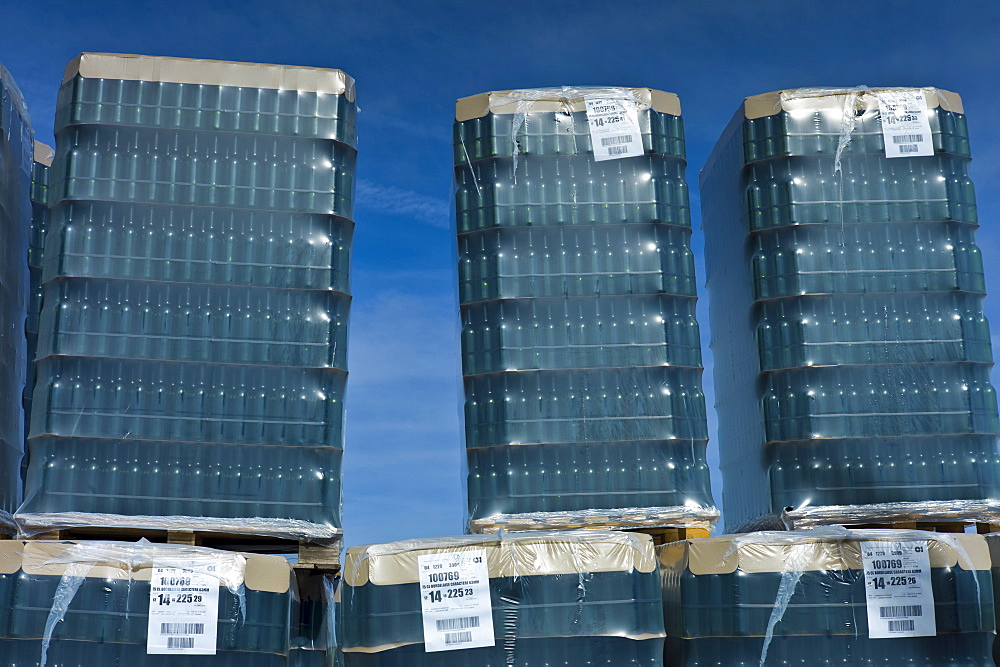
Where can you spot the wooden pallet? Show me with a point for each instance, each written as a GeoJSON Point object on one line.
{"type": "Point", "coordinates": [629, 521]}
{"type": "Point", "coordinates": [936, 526]}
{"type": "Point", "coordinates": [667, 535]}
{"type": "Point", "coordinates": [310, 556]}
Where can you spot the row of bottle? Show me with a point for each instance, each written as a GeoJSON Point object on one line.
{"type": "Point", "coordinates": [873, 400]}
{"type": "Point", "coordinates": [188, 402]}
{"type": "Point", "coordinates": [821, 131]}
{"type": "Point", "coordinates": [581, 405]}
{"type": "Point", "coordinates": [199, 245]}
{"type": "Point", "coordinates": [564, 477]}
{"type": "Point", "coordinates": [570, 190]}
{"type": "Point", "coordinates": [210, 108]}
{"type": "Point", "coordinates": [884, 469]}
{"type": "Point", "coordinates": [568, 598]}
{"type": "Point", "coordinates": [722, 611]}
{"type": "Point", "coordinates": [868, 188]}
{"type": "Point", "coordinates": [524, 652]}
{"type": "Point", "coordinates": [611, 331]}
{"type": "Point", "coordinates": [195, 322]}
{"type": "Point", "coordinates": [556, 133]}
{"type": "Point", "coordinates": [826, 330]}
{"type": "Point", "coordinates": [204, 169]}
{"type": "Point", "coordinates": [124, 475]}
{"type": "Point", "coordinates": [875, 257]}
{"type": "Point", "coordinates": [102, 602]}
{"type": "Point", "coordinates": [575, 261]}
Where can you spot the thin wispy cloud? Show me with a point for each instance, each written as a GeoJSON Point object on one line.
{"type": "Point", "coordinates": [391, 200]}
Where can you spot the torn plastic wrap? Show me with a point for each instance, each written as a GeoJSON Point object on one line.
{"type": "Point", "coordinates": [16, 149]}
{"type": "Point", "coordinates": [777, 598]}
{"type": "Point", "coordinates": [87, 603]}
{"type": "Point", "coordinates": [581, 352]}
{"type": "Point", "coordinates": [315, 638]}
{"type": "Point", "coordinates": [193, 335]}
{"type": "Point", "coordinates": [852, 355]}
{"type": "Point", "coordinates": [570, 597]}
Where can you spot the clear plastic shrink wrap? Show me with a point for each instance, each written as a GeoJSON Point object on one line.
{"type": "Point", "coordinates": [852, 355]}
{"type": "Point", "coordinates": [581, 353]}
{"type": "Point", "coordinates": [583, 597]}
{"type": "Point", "coordinates": [315, 639]}
{"type": "Point", "coordinates": [806, 598]}
{"type": "Point", "coordinates": [993, 541]}
{"type": "Point", "coordinates": [16, 149]}
{"type": "Point", "coordinates": [192, 350]}
{"type": "Point", "coordinates": [83, 604]}
{"type": "Point", "coordinates": [36, 247]}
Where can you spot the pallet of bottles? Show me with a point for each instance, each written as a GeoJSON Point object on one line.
{"type": "Point", "coordinates": [84, 603]}
{"type": "Point", "coordinates": [559, 597]}
{"type": "Point", "coordinates": [800, 597]}
{"type": "Point", "coordinates": [309, 555]}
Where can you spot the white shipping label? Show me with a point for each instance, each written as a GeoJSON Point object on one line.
{"type": "Point", "coordinates": [906, 129]}
{"type": "Point", "coordinates": [614, 128]}
{"type": "Point", "coordinates": [898, 589]}
{"type": "Point", "coordinates": [455, 600]}
{"type": "Point", "coordinates": [183, 611]}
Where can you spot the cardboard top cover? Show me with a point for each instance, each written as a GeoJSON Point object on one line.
{"type": "Point", "coordinates": [43, 154]}
{"type": "Point", "coordinates": [770, 551]}
{"type": "Point", "coordinates": [519, 554]}
{"type": "Point", "coordinates": [134, 561]}
{"type": "Point", "coordinates": [559, 99]}
{"type": "Point", "coordinates": [769, 104]}
{"type": "Point", "coordinates": [131, 67]}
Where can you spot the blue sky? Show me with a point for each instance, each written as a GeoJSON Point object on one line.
{"type": "Point", "coordinates": [412, 60]}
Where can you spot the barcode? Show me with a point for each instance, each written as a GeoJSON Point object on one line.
{"type": "Point", "coordinates": [182, 628]}
{"type": "Point", "coordinates": [901, 610]}
{"type": "Point", "coordinates": [627, 139]}
{"type": "Point", "coordinates": [180, 642]}
{"type": "Point", "coordinates": [900, 626]}
{"type": "Point", "coordinates": [907, 138]}
{"type": "Point", "coordinates": [452, 638]}
{"type": "Point", "coordinates": [908, 148]}
{"type": "Point", "coordinates": [463, 623]}
{"type": "Point", "coordinates": [617, 150]}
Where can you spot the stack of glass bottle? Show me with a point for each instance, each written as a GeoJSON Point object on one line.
{"type": "Point", "coordinates": [580, 349]}
{"type": "Point", "coordinates": [105, 620]}
{"type": "Point", "coordinates": [852, 356]}
{"type": "Point", "coordinates": [16, 144]}
{"type": "Point", "coordinates": [36, 249]}
{"type": "Point", "coordinates": [192, 345]}
{"type": "Point", "coordinates": [585, 597]}
{"type": "Point", "coordinates": [721, 595]}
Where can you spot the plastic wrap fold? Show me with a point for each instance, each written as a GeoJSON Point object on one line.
{"type": "Point", "coordinates": [192, 347]}
{"type": "Point", "coordinates": [78, 604]}
{"type": "Point", "coordinates": [16, 150]}
{"type": "Point", "coordinates": [773, 598]}
{"type": "Point", "coordinates": [852, 354]}
{"type": "Point", "coordinates": [581, 353]}
{"type": "Point", "coordinates": [570, 597]}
